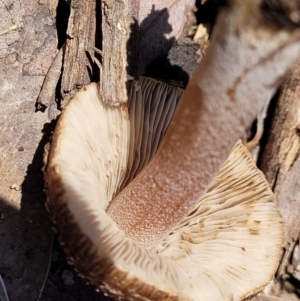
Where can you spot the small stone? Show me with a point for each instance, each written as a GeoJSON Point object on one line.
{"type": "Point", "coordinates": [15, 187]}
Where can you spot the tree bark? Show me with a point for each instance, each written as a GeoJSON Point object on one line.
{"type": "Point", "coordinates": [280, 160]}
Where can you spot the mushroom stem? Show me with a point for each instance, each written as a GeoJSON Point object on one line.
{"type": "Point", "coordinates": [253, 46]}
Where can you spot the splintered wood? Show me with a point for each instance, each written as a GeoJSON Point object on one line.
{"type": "Point", "coordinates": [115, 33]}
{"type": "Point", "coordinates": [121, 37]}
{"type": "Point", "coordinates": [81, 36]}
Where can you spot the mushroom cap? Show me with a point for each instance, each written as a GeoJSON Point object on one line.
{"type": "Point", "coordinates": [227, 247]}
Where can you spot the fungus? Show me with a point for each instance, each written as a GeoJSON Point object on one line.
{"type": "Point", "coordinates": [162, 237]}
{"type": "Point", "coordinates": [228, 245]}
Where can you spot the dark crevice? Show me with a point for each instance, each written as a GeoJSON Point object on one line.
{"type": "Point", "coordinates": [296, 284]}
{"type": "Point", "coordinates": [95, 71]}
{"type": "Point", "coordinates": [207, 12]}
{"type": "Point", "coordinates": [282, 13]}
{"type": "Point", "coordinates": [98, 32]}
{"type": "Point", "coordinates": [163, 70]}
{"type": "Point", "coordinates": [58, 97]}
{"type": "Point", "coordinates": [252, 131]}
{"type": "Point", "coordinates": [62, 17]}
{"type": "Point", "coordinates": [267, 127]}
{"type": "Point", "coordinates": [275, 180]}
{"type": "Point", "coordinates": [92, 68]}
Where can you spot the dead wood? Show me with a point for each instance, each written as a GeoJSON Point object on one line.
{"type": "Point", "coordinates": [115, 33]}
{"type": "Point", "coordinates": [80, 36]}
{"type": "Point", "coordinates": [280, 160]}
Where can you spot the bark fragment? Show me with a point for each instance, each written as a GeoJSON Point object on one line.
{"type": "Point", "coordinates": [115, 33]}
{"type": "Point", "coordinates": [280, 158]}
{"type": "Point", "coordinates": [80, 35]}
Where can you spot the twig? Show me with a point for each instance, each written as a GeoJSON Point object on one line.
{"type": "Point", "coordinates": [51, 79]}
{"type": "Point", "coordinates": [48, 269]}
{"type": "Point", "coordinates": [3, 291]}
{"type": "Point", "coordinates": [13, 27]}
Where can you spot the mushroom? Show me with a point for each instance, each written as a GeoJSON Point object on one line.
{"type": "Point", "coordinates": [226, 248]}
{"type": "Point", "coordinates": [161, 238]}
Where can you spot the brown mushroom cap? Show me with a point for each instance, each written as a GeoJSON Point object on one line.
{"type": "Point", "coordinates": [226, 248]}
